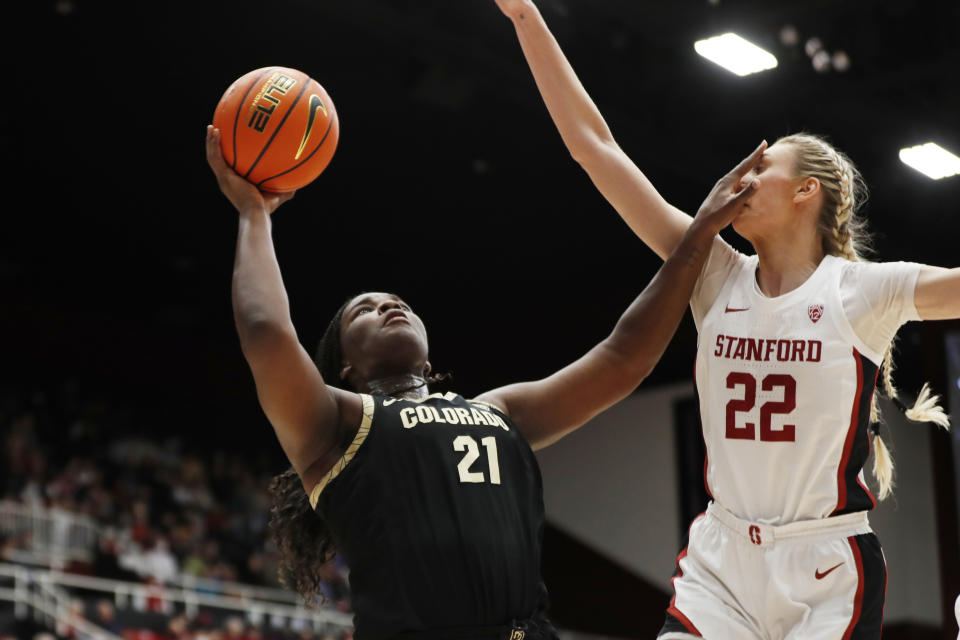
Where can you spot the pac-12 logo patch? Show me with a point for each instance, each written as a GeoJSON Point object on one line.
{"type": "Point", "coordinates": [815, 311]}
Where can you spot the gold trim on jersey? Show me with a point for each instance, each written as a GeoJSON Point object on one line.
{"type": "Point", "coordinates": [492, 406]}
{"type": "Point", "coordinates": [487, 404]}
{"type": "Point", "coordinates": [351, 451]}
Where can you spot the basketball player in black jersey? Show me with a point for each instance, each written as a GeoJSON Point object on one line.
{"type": "Point", "coordinates": [434, 501]}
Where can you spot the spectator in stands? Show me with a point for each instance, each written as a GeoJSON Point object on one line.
{"type": "Point", "coordinates": [106, 617]}
{"type": "Point", "coordinates": [178, 628]}
{"type": "Point", "coordinates": [151, 558]}
{"type": "Point", "coordinates": [211, 509]}
{"type": "Point", "coordinates": [234, 629]}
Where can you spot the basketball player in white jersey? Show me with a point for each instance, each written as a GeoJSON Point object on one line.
{"type": "Point", "coordinates": [791, 343]}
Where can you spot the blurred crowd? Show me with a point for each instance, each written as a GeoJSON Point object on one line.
{"type": "Point", "coordinates": [164, 512]}
{"type": "Point", "coordinates": [178, 627]}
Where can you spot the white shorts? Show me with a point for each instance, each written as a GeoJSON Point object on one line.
{"type": "Point", "coordinates": [823, 579]}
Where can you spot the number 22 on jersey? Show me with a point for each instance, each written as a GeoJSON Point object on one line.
{"type": "Point", "coordinates": [472, 452]}
{"type": "Point", "coordinates": [770, 382]}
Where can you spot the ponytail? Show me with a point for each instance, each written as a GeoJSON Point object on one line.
{"type": "Point", "coordinates": [926, 408]}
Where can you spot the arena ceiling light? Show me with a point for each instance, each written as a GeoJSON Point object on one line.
{"type": "Point", "coordinates": [735, 54]}
{"type": "Point", "coordinates": [931, 160]}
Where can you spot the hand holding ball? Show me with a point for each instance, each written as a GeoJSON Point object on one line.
{"type": "Point", "coordinates": [278, 128]}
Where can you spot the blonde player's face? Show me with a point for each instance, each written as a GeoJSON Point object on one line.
{"type": "Point", "coordinates": [772, 210]}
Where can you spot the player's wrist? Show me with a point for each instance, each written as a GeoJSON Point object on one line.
{"type": "Point", "coordinates": [253, 212]}
{"type": "Point", "coordinates": [701, 230]}
{"type": "Point", "coordinates": [519, 11]}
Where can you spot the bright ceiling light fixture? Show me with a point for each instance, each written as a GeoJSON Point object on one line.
{"type": "Point", "coordinates": [735, 54]}
{"type": "Point", "coordinates": [931, 160]}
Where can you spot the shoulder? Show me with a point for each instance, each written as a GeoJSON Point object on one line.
{"type": "Point", "coordinates": [869, 267]}
{"type": "Point", "coordinates": [722, 268]}
{"type": "Point", "coordinates": [722, 253]}
{"type": "Point", "coordinates": [490, 400]}
{"type": "Point", "coordinates": [723, 263]}
{"type": "Point", "coordinates": [873, 277]}
{"type": "Point", "coordinates": [878, 298]}
{"type": "Point", "coordinates": [358, 409]}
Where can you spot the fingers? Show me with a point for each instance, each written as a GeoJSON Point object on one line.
{"type": "Point", "coordinates": [238, 190]}
{"type": "Point", "coordinates": [733, 206]}
{"type": "Point", "coordinates": [214, 154]}
{"type": "Point", "coordinates": [743, 194]}
{"type": "Point", "coordinates": [750, 161]}
{"type": "Point", "coordinates": [274, 201]}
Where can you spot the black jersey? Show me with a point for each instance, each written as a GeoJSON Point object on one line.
{"type": "Point", "coordinates": [437, 509]}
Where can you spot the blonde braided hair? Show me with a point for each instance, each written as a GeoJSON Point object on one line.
{"type": "Point", "coordinates": [844, 234]}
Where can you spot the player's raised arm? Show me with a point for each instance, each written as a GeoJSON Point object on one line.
{"type": "Point", "coordinates": [588, 138]}
{"type": "Point", "coordinates": [308, 416]}
{"type": "Point", "coordinates": [937, 295]}
{"type": "Point", "coordinates": [547, 409]}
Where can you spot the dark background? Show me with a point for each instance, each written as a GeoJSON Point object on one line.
{"type": "Point", "coordinates": [450, 185]}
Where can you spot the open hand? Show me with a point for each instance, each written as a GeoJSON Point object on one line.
{"type": "Point", "coordinates": [243, 194]}
{"type": "Point", "coordinates": [726, 199]}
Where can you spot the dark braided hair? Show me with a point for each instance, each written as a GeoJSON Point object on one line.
{"type": "Point", "coordinates": [301, 534]}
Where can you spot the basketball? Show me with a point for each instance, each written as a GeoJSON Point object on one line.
{"type": "Point", "coordinates": [278, 128]}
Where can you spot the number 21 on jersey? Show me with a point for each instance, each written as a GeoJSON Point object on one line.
{"type": "Point", "coordinates": [472, 452]}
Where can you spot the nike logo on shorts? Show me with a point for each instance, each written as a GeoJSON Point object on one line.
{"type": "Point", "coordinates": [821, 576]}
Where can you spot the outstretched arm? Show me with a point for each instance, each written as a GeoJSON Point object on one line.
{"type": "Point", "coordinates": [588, 138]}
{"type": "Point", "coordinates": [546, 410]}
{"type": "Point", "coordinates": [308, 417]}
{"type": "Point", "coordinates": [937, 295]}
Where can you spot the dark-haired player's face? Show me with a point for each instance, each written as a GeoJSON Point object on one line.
{"type": "Point", "coordinates": [381, 336]}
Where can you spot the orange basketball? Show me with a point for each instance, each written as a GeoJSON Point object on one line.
{"type": "Point", "coordinates": [278, 128]}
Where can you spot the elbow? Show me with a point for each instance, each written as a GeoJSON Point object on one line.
{"type": "Point", "coordinates": [638, 371]}
{"type": "Point", "coordinates": [593, 151]}
{"type": "Point", "coordinates": [632, 366]}
{"type": "Point", "coordinates": [259, 334]}
{"type": "Point", "coordinates": [254, 316]}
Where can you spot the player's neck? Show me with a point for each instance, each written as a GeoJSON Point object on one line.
{"type": "Point", "coordinates": [786, 263]}
{"type": "Point", "coordinates": [407, 385]}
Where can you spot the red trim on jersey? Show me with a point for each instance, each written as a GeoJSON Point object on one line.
{"type": "Point", "coordinates": [858, 598]}
{"type": "Point", "coordinates": [870, 442]}
{"type": "Point", "coordinates": [705, 461]}
{"type": "Point", "coordinates": [672, 609]}
{"type": "Point", "coordinates": [851, 436]}
{"type": "Point", "coordinates": [866, 490]}
{"type": "Point", "coordinates": [706, 456]}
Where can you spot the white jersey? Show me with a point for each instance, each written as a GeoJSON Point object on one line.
{"type": "Point", "coordinates": [785, 383]}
